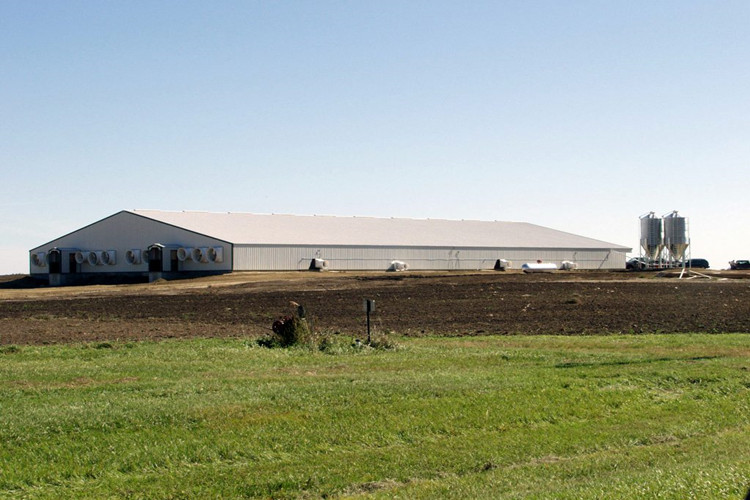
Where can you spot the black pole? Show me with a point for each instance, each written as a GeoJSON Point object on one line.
{"type": "Point", "coordinates": [368, 323]}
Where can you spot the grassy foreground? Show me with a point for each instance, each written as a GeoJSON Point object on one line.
{"type": "Point", "coordinates": [653, 416]}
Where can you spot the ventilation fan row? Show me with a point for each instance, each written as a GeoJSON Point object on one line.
{"type": "Point", "coordinates": [201, 254]}
{"type": "Point", "coordinates": [96, 257]}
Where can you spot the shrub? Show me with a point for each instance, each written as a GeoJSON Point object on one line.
{"type": "Point", "coordinates": [288, 331]}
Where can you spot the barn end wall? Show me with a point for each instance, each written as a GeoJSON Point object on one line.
{"type": "Point", "coordinates": [287, 258]}
{"type": "Point", "coordinates": [125, 231]}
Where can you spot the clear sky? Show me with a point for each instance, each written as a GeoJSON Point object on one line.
{"type": "Point", "coordinates": [576, 115]}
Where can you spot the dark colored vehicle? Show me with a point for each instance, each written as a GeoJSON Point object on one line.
{"type": "Point", "coordinates": [636, 264]}
{"type": "Point", "coordinates": [739, 264]}
{"type": "Point", "coordinates": [698, 263]}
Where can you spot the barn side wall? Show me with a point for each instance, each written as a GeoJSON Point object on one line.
{"type": "Point", "coordinates": [285, 258]}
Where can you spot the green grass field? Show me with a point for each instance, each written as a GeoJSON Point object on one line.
{"type": "Point", "coordinates": [651, 416]}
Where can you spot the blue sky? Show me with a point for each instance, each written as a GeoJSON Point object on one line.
{"type": "Point", "coordinates": [579, 116]}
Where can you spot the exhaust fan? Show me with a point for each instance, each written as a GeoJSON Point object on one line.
{"type": "Point", "coordinates": [216, 254]}
{"type": "Point", "coordinates": [184, 254]}
{"type": "Point", "coordinates": [200, 254]}
{"type": "Point", "coordinates": [133, 256]}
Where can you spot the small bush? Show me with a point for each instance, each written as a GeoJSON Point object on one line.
{"type": "Point", "coordinates": [287, 332]}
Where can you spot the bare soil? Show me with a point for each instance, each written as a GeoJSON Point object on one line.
{"type": "Point", "coordinates": [456, 303]}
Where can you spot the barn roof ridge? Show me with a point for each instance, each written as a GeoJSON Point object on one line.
{"type": "Point", "coordinates": [336, 216]}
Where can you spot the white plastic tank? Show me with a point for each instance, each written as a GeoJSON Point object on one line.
{"type": "Point", "coordinates": [397, 265]}
{"type": "Point", "coordinates": [502, 264]}
{"type": "Point", "coordinates": [538, 267]}
{"type": "Point", "coordinates": [317, 264]}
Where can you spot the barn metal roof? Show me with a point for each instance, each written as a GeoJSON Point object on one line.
{"type": "Point", "coordinates": [275, 229]}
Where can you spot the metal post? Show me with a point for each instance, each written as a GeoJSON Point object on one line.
{"type": "Point", "coordinates": [368, 326]}
{"type": "Point", "coordinates": [369, 306]}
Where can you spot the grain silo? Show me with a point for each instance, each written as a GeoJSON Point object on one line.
{"type": "Point", "coordinates": [676, 239]}
{"type": "Point", "coordinates": [652, 242]}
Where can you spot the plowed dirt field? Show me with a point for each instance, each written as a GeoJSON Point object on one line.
{"type": "Point", "coordinates": [246, 304]}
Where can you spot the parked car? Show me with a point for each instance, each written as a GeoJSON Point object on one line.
{"type": "Point", "coordinates": [636, 264]}
{"type": "Point", "coordinates": [699, 263]}
{"type": "Point", "coordinates": [739, 264]}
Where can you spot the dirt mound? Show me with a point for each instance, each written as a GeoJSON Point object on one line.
{"type": "Point", "coordinates": [19, 281]}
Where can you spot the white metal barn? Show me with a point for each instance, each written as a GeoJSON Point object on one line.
{"type": "Point", "coordinates": [140, 242]}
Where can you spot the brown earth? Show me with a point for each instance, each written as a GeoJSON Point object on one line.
{"type": "Point", "coordinates": [456, 303]}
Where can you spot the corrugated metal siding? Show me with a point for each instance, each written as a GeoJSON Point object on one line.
{"type": "Point", "coordinates": [284, 258]}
